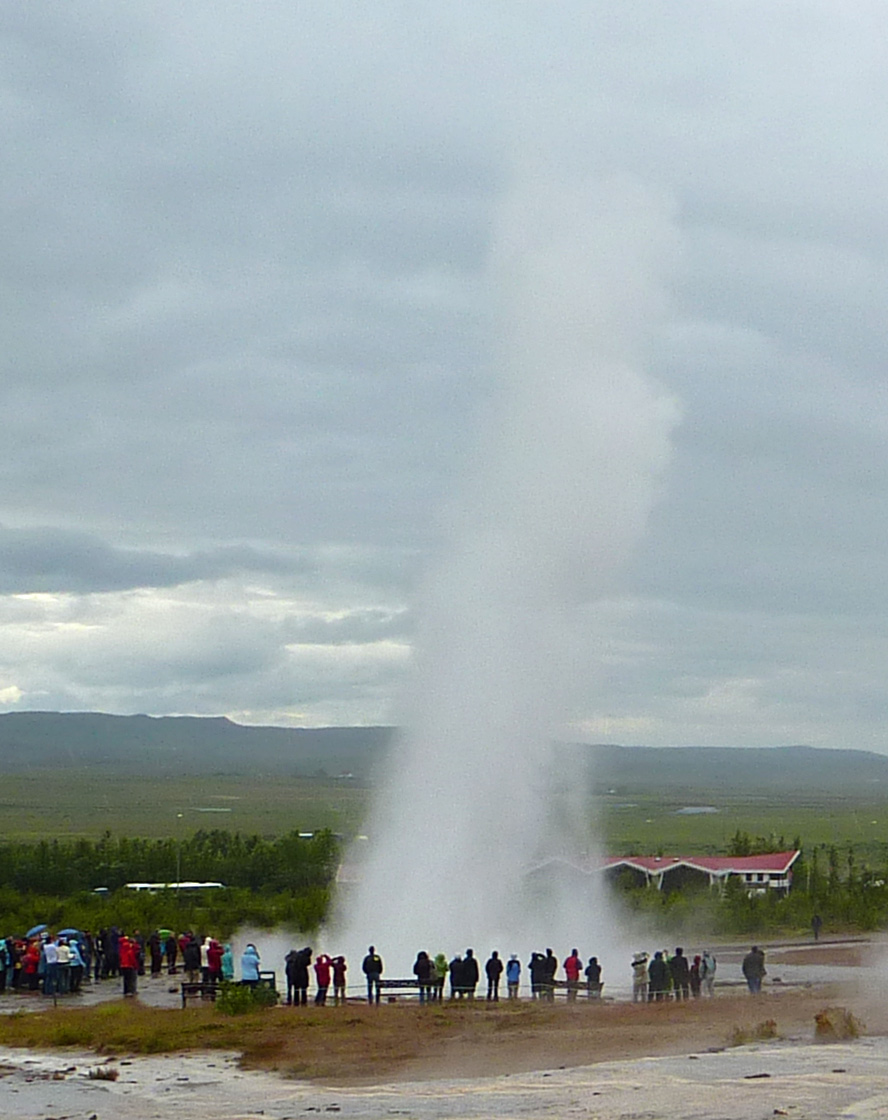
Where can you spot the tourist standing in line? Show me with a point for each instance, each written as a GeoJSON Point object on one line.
{"type": "Point", "coordinates": [128, 958]}
{"type": "Point", "coordinates": [573, 967]}
{"type": "Point", "coordinates": [494, 970]}
{"type": "Point", "coordinates": [249, 966]}
{"type": "Point", "coordinates": [681, 977]}
{"type": "Point", "coordinates": [340, 968]}
{"type": "Point", "coordinates": [658, 974]}
{"type": "Point", "coordinates": [593, 978]}
{"type": "Point", "coordinates": [322, 976]}
{"type": "Point", "coordinates": [441, 968]}
{"type": "Point", "coordinates": [640, 978]}
{"type": "Point", "coordinates": [372, 969]}
{"type": "Point", "coordinates": [471, 973]}
{"type": "Point", "coordinates": [513, 976]}
{"type": "Point", "coordinates": [423, 970]}
{"type": "Point", "coordinates": [550, 967]}
{"type": "Point", "coordinates": [707, 973]}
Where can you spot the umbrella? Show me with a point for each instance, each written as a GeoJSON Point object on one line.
{"type": "Point", "coordinates": [165, 933]}
{"type": "Point", "coordinates": [36, 929]}
{"type": "Point", "coordinates": [70, 933]}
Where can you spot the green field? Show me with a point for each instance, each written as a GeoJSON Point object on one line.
{"type": "Point", "coordinates": [78, 803]}
{"type": "Point", "coordinates": [84, 803]}
{"type": "Point", "coordinates": [646, 824]}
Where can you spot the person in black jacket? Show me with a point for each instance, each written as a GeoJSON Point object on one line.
{"type": "Point", "coordinates": [494, 970]}
{"type": "Point", "coordinates": [681, 975]}
{"type": "Point", "coordinates": [657, 973]}
{"type": "Point", "coordinates": [551, 963]}
{"type": "Point", "coordinates": [536, 966]}
{"type": "Point", "coordinates": [457, 987]}
{"type": "Point", "coordinates": [471, 973]}
{"type": "Point", "coordinates": [296, 963]}
{"type": "Point", "coordinates": [371, 966]}
{"type": "Point", "coordinates": [423, 970]}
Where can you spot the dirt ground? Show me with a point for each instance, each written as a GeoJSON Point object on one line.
{"type": "Point", "coordinates": [417, 1043]}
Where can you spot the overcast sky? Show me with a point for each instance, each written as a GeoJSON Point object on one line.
{"type": "Point", "coordinates": [248, 327]}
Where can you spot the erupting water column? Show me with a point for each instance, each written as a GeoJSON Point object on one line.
{"type": "Point", "coordinates": [558, 492]}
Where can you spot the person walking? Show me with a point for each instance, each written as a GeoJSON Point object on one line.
{"type": "Point", "coordinates": [494, 970]}
{"type": "Point", "coordinates": [754, 969]}
{"type": "Point", "coordinates": [372, 969]}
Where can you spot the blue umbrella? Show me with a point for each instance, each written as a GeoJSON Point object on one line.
{"type": "Point", "coordinates": [36, 929]}
{"type": "Point", "coordinates": [69, 933]}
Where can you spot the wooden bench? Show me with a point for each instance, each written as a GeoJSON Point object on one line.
{"type": "Point", "coordinates": [401, 986]}
{"type": "Point", "coordinates": [197, 989]}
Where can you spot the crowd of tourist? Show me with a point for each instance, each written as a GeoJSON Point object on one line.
{"type": "Point", "coordinates": [668, 976]}
{"type": "Point", "coordinates": [58, 964]}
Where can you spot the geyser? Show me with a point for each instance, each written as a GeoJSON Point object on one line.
{"type": "Point", "coordinates": [558, 491]}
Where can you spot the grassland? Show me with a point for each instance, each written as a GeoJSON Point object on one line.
{"type": "Point", "coordinates": [85, 803]}
{"type": "Point", "coordinates": [81, 803]}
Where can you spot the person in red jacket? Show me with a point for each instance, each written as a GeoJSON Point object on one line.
{"type": "Point", "coordinates": [129, 964]}
{"type": "Point", "coordinates": [322, 972]}
{"type": "Point", "coordinates": [573, 968]}
{"type": "Point", "coordinates": [214, 960]}
{"type": "Point", "coordinates": [340, 968]}
{"type": "Point", "coordinates": [31, 963]}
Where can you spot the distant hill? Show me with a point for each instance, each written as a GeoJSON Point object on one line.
{"type": "Point", "coordinates": [192, 745]}
{"type": "Point", "coordinates": [185, 745]}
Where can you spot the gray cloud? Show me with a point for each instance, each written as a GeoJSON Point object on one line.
{"type": "Point", "coordinates": [249, 331]}
{"type": "Point", "coordinates": [52, 560]}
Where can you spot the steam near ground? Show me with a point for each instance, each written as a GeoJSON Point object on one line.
{"type": "Point", "coordinates": [557, 493]}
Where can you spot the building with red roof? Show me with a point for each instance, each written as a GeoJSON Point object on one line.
{"type": "Point", "coordinates": [759, 874]}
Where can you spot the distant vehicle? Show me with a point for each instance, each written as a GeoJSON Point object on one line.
{"type": "Point", "coordinates": [185, 885]}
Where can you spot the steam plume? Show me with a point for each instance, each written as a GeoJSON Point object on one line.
{"type": "Point", "coordinates": [558, 493]}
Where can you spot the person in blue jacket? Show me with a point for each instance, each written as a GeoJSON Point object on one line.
{"type": "Point", "coordinates": [513, 976]}
{"type": "Point", "coordinates": [250, 965]}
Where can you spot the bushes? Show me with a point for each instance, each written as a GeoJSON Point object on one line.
{"type": "Point", "coordinates": [240, 999]}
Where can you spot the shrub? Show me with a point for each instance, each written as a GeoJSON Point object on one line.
{"type": "Point", "coordinates": [742, 1036]}
{"type": "Point", "coordinates": [103, 1073]}
{"type": "Point", "coordinates": [240, 999]}
{"type": "Point", "coordinates": [836, 1024]}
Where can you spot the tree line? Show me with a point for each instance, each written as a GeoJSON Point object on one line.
{"type": "Point", "coordinates": [63, 867]}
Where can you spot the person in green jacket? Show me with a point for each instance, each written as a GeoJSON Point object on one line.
{"type": "Point", "coordinates": [440, 975]}
{"type": "Point", "coordinates": [227, 963]}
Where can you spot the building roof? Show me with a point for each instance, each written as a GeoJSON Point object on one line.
{"type": "Point", "coordinates": [773, 863]}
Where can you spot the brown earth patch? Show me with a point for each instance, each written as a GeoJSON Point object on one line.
{"type": "Point", "coordinates": [408, 1042]}
{"type": "Point", "coordinates": [842, 956]}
